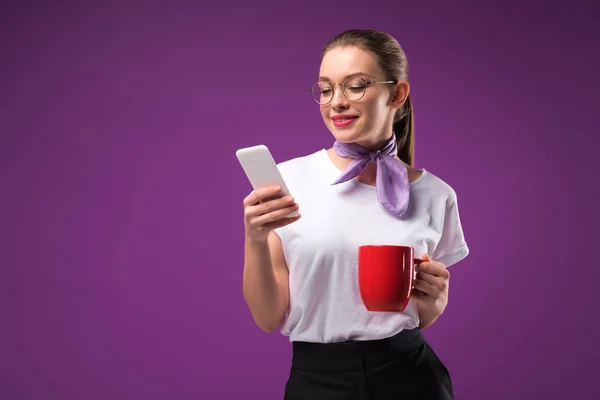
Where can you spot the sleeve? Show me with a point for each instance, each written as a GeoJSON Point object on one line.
{"type": "Point", "coordinates": [452, 246]}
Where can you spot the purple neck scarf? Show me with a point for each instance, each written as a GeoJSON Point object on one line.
{"type": "Point", "coordinates": [392, 176]}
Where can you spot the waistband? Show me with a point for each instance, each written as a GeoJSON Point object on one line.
{"type": "Point", "coordinates": [356, 355]}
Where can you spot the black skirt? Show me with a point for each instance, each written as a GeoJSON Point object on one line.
{"type": "Point", "coordinates": [402, 367]}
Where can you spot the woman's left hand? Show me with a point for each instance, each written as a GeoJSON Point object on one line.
{"type": "Point", "coordinates": [430, 290]}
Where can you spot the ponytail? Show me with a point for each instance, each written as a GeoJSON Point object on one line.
{"type": "Point", "coordinates": [404, 129]}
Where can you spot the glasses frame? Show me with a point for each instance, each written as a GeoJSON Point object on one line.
{"type": "Point", "coordinates": [333, 87]}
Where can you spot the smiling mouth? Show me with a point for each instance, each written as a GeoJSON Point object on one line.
{"type": "Point", "coordinates": [343, 118]}
{"type": "Point", "coordinates": [343, 121]}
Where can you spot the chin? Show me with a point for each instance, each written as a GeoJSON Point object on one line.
{"type": "Point", "coordinates": [346, 135]}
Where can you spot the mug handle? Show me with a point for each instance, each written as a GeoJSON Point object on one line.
{"type": "Point", "coordinates": [416, 262]}
{"type": "Point", "coordinates": [408, 291]}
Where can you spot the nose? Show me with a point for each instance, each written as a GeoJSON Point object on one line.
{"type": "Point", "coordinates": [339, 100]}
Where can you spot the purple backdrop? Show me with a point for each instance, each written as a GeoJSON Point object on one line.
{"type": "Point", "coordinates": [121, 208]}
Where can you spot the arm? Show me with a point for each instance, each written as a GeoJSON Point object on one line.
{"type": "Point", "coordinates": [426, 319]}
{"type": "Point", "coordinates": [265, 277]}
{"type": "Point", "coordinates": [433, 278]}
{"type": "Point", "coordinates": [266, 288]}
{"type": "Point", "coordinates": [431, 291]}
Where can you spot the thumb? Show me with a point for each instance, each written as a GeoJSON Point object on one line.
{"type": "Point", "coordinates": [425, 257]}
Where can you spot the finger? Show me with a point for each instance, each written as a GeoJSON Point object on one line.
{"type": "Point", "coordinates": [283, 222]}
{"type": "Point", "coordinates": [262, 194]}
{"type": "Point", "coordinates": [433, 268]}
{"type": "Point", "coordinates": [431, 279]}
{"type": "Point", "coordinates": [432, 274]}
{"type": "Point", "coordinates": [418, 294]}
{"type": "Point", "coordinates": [435, 262]}
{"type": "Point", "coordinates": [258, 195]}
{"type": "Point", "coordinates": [425, 287]}
{"type": "Point", "coordinates": [270, 207]}
{"type": "Point", "coordinates": [427, 258]}
{"type": "Point", "coordinates": [441, 284]}
{"type": "Point", "coordinates": [273, 216]}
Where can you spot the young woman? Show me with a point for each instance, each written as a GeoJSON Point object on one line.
{"type": "Point", "coordinates": [300, 273]}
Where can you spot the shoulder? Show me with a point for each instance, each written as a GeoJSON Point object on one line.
{"type": "Point", "coordinates": [432, 183]}
{"type": "Point", "coordinates": [300, 163]}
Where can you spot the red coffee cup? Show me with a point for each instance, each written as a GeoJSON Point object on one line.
{"type": "Point", "coordinates": [385, 276]}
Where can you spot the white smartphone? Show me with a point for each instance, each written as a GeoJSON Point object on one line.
{"type": "Point", "coordinates": [261, 169]}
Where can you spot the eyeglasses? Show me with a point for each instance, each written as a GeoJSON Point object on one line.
{"type": "Point", "coordinates": [354, 88]}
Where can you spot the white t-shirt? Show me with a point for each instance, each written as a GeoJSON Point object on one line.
{"type": "Point", "coordinates": [321, 248]}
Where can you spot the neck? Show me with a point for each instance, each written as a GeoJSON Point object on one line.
{"type": "Point", "coordinates": [368, 176]}
{"type": "Point", "coordinates": [376, 144]}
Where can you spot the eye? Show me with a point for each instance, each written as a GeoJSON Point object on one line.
{"type": "Point", "coordinates": [356, 85]}
{"type": "Point", "coordinates": [356, 88]}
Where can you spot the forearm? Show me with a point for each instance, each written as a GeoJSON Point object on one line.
{"type": "Point", "coordinates": [429, 311]}
{"type": "Point", "coordinates": [262, 293]}
{"type": "Point", "coordinates": [426, 319]}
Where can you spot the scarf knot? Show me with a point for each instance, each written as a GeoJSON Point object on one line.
{"type": "Point", "coordinates": [374, 156]}
{"type": "Point", "coordinates": [392, 184]}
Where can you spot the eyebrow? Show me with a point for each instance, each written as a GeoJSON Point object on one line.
{"type": "Point", "coordinates": [324, 78]}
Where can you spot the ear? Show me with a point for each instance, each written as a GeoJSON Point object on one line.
{"type": "Point", "coordinates": [402, 89]}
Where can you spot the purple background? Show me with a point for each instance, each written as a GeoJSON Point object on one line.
{"type": "Point", "coordinates": [121, 209]}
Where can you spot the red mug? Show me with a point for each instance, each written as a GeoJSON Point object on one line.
{"type": "Point", "coordinates": [385, 276]}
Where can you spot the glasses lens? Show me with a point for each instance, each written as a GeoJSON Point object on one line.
{"type": "Point", "coordinates": [322, 92]}
{"type": "Point", "coordinates": [354, 88]}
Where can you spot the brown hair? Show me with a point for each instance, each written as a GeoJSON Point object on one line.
{"type": "Point", "coordinates": [392, 60]}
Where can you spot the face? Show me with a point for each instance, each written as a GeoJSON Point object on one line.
{"type": "Point", "coordinates": [367, 121]}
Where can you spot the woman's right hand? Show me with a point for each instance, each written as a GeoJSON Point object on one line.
{"type": "Point", "coordinates": [264, 212]}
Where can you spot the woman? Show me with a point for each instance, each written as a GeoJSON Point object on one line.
{"type": "Point", "coordinates": [300, 273]}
